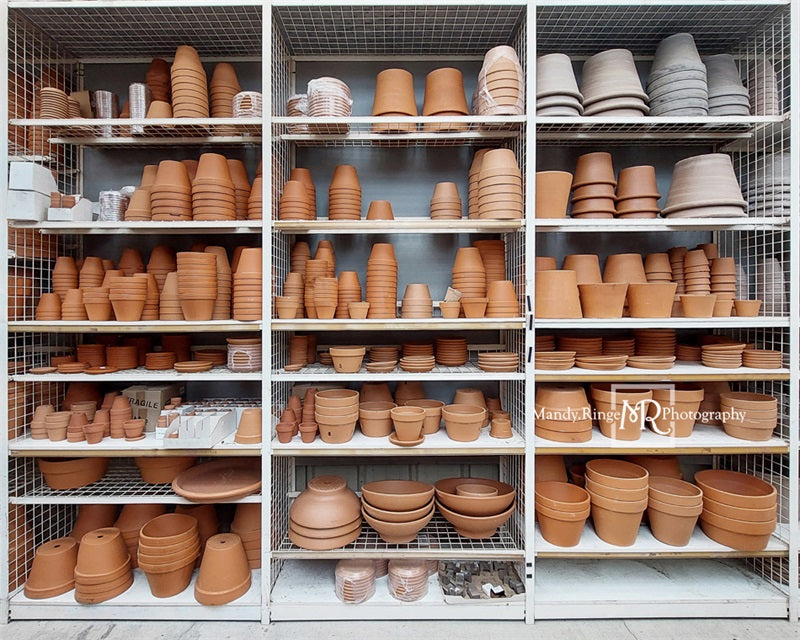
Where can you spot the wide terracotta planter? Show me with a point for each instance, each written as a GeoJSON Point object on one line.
{"type": "Point", "coordinates": [557, 295]}
{"type": "Point", "coordinates": [603, 300]}
{"type": "Point", "coordinates": [224, 574]}
{"type": "Point", "coordinates": [561, 528]}
{"type": "Point", "coordinates": [651, 300]}
{"type": "Point", "coordinates": [670, 525]}
{"type": "Point", "coordinates": [617, 522]}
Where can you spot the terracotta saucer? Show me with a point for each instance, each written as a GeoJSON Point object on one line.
{"type": "Point", "coordinates": [94, 371]}
{"type": "Point", "coordinates": [38, 371]}
{"type": "Point", "coordinates": [141, 437]}
{"type": "Point", "coordinates": [405, 443]}
{"type": "Point", "coordinates": [293, 367]}
{"type": "Point", "coordinates": [217, 480]}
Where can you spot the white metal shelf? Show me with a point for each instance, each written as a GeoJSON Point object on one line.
{"type": "Point", "coordinates": [149, 326]}
{"type": "Point", "coordinates": [397, 324]}
{"type": "Point", "coordinates": [577, 225]}
{"type": "Point", "coordinates": [664, 323]}
{"type": "Point", "coordinates": [435, 444]}
{"type": "Point", "coordinates": [305, 590]}
{"type": "Point", "coordinates": [647, 546]}
{"type": "Point", "coordinates": [97, 227]}
{"type": "Point", "coordinates": [667, 588]}
{"type": "Point", "coordinates": [120, 448]}
{"type": "Point", "coordinates": [121, 485]}
{"type": "Point", "coordinates": [140, 374]}
{"type": "Point", "coordinates": [321, 373]}
{"type": "Point", "coordinates": [400, 224]}
{"type": "Point", "coordinates": [705, 440]}
{"type": "Point", "coordinates": [684, 371]}
{"type": "Point", "coordinates": [438, 539]}
{"type": "Point", "coordinates": [137, 603]}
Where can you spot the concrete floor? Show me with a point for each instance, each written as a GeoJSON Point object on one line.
{"type": "Point", "coordinates": [429, 630]}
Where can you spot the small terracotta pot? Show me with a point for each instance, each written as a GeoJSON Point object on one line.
{"type": "Point", "coordinates": [285, 431]}
{"type": "Point", "coordinates": [747, 308]}
{"type": "Point", "coordinates": [308, 431]}
{"type": "Point", "coordinates": [407, 421]}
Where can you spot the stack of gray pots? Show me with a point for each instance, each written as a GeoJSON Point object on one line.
{"type": "Point", "coordinates": [556, 88]}
{"type": "Point", "coordinates": [678, 83]}
{"type": "Point", "coordinates": [727, 96]}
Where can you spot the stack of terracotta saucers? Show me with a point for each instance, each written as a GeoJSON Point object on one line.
{"type": "Point", "coordinates": [122, 357]}
{"type": "Point", "coordinates": [619, 346]}
{"type": "Point", "coordinates": [762, 358]}
{"type": "Point", "coordinates": [593, 186]}
{"type": "Point", "coordinates": [655, 342]}
{"type": "Point", "coordinates": [54, 103]}
{"type": "Point", "coordinates": [197, 284]}
{"type": "Point", "coordinates": [749, 416]}
{"type": "Point", "coordinates": [602, 363]}
{"type": "Point", "coordinates": [383, 354]}
{"type": "Point", "coordinates": [329, 97]}
{"type": "Point", "coordinates": [556, 88]}
{"type": "Point", "coordinates": [545, 343]}
{"type": "Point", "coordinates": [217, 357]}
{"type": "Point", "coordinates": [611, 87]}
{"type": "Point", "coordinates": [581, 345]}
{"type": "Point", "coordinates": [189, 85]}
{"type": "Point", "coordinates": [501, 84]}
{"type": "Point", "coordinates": [381, 290]}
{"type": "Point", "coordinates": [355, 580]}
{"type": "Point", "coordinates": [408, 579]}
{"type": "Point", "coordinates": [563, 414]}
{"type": "Point", "coordinates": [349, 289]}
{"type": "Point", "coordinates": [417, 364]}
{"type": "Point", "coordinates": [344, 194]}
{"type": "Point", "coordinates": [498, 361]}
{"type": "Point", "coordinates": [554, 360]}
{"type": "Point", "coordinates": [171, 193]}
{"type": "Point", "coordinates": [244, 354]}
{"type": "Point", "coordinates": [417, 302]}
{"type": "Point", "coordinates": [704, 186]}
{"type": "Point", "coordinates": [159, 361]}
{"type": "Point", "coordinates": [247, 285]}
{"type": "Point", "coordinates": [451, 352]}
{"type": "Point", "coordinates": [500, 186]}
{"type": "Point", "coordinates": [723, 355]}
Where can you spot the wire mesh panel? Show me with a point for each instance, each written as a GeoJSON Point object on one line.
{"type": "Point", "coordinates": [512, 471]}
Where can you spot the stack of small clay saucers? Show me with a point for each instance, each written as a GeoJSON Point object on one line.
{"type": "Point", "coordinates": [601, 363]}
{"type": "Point", "coordinates": [213, 193]}
{"type": "Point", "coordinates": [581, 345]}
{"type": "Point", "coordinates": [554, 360]}
{"type": "Point", "coordinates": [189, 85]}
{"type": "Point", "coordinates": [381, 366]}
{"type": "Point", "coordinates": [593, 186]}
{"type": "Point", "coordinates": [500, 186]}
{"type": "Point", "coordinates": [619, 346]}
{"type": "Point", "coordinates": [295, 202]}
{"type": "Point", "coordinates": [344, 194]}
{"type": "Point", "coordinates": [498, 361]}
{"type": "Point", "coordinates": [451, 352]}
{"type": "Point", "coordinates": [556, 88]}
{"type": "Point", "coordinates": [224, 86]}
{"type": "Point", "coordinates": [446, 202]}
{"type": "Point", "coordinates": [159, 361]}
{"type": "Point", "coordinates": [171, 192]}
{"type": "Point", "coordinates": [637, 193]}
{"type": "Point", "coordinates": [417, 364]}
{"type": "Point", "coordinates": [244, 354]}
{"type": "Point", "coordinates": [418, 349]}
{"type": "Point", "coordinates": [678, 81]}
{"type": "Point", "coordinates": [103, 567]}
{"type": "Point", "coordinates": [329, 97]}
{"type": "Point", "coordinates": [469, 274]}
{"type": "Point", "coordinates": [197, 284]}
{"type": "Point", "coordinates": [349, 289]}
{"type": "Point", "coordinates": [651, 362]}
{"type": "Point", "coordinates": [217, 357]}
{"type": "Point", "coordinates": [501, 84]}
{"type": "Point", "coordinates": [247, 285]}
{"type": "Point", "coordinates": [762, 359]}
{"type": "Point", "coordinates": [255, 202]}
{"type": "Point", "coordinates": [688, 352]}
{"type": "Point", "coordinates": [655, 342]}
{"type": "Point", "coordinates": [94, 355]}
{"type": "Point", "coordinates": [381, 292]}
{"type": "Point", "coordinates": [355, 580]}
{"type": "Point", "coordinates": [192, 366]}
{"type": "Point", "coordinates": [383, 354]}
{"type": "Point", "coordinates": [749, 416]}
{"type": "Point", "coordinates": [72, 367]}
{"type": "Point", "coordinates": [417, 302]}
{"type": "Point", "coordinates": [723, 355]}
{"type": "Point", "coordinates": [297, 107]}
{"type": "Point", "coordinates": [327, 515]}
{"type": "Point", "coordinates": [704, 186]}
{"type": "Point", "coordinates": [611, 87]}
{"type": "Point", "coordinates": [122, 357]}
{"type": "Point", "coordinates": [54, 103]}
{"type": "Point", "coordinates": [169, 545]}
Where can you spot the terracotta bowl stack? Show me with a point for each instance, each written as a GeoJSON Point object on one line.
{"type": "Point", "coordinates": [247, 285]}
{"type": "Point", "coordinates": [749, 416]}
{"type": "Point", "coordinates": [197, 284]}
{"type": "Point", "coordinates": [619, 494]}
{"type": "Point", "coordinates": [394, 97]}
{"type": "Point", "coordinates": [727, 96]}
{"type": "Point", "coordinates": [417, 302]}
{"type": "Point", "coordinates": [563, 414]}
{"type": "Point", "coordinates": [637, 193]}
{"type": "Point", "coordinates": [446, 202]}
{"type": "Point", "coordinates": [704, 186]}
{"type": "Point", "coordinates": [557, 91]}
{"type": "Point", "coordinates": [444, 96]}
{"type": "Point", "coordinates": [328, 97]}
{"type": "Point", "coordinates": [103, 567]}
{"type": "Point", "coordinates": [355, 580]}
{"type": "Point", "coordinates": [500, 186]}
{"type": "Point", "coordinates": [189, 85]}
{"type": "Point", "coordinates": [739, 510]}
{"type": "Point", "coordinates": [344, 194]}
{"type": "Point", "coordinates": [678, 82]}
{"type": "Point", "coordinates": [381, 291]}
{"type": "Point", "coordinates": [349, 291]}
{"type": "Point", "coordinates": [593, 186]}
{"type": "Point", "coordinates": [501, 84]}
{"type": "Point", "coordinates": [53, 569]}
{"type": "Point", "coordinates": [561, 510]}
{"type": "Point", "coordinates": [673, 507]}
{"type": "Point", "coordinates": [476, 507]}
{"type": "Point", "coordinates": [327, 515]}
{"type": "Point", "coordinates": [397, 509]}
{"type": "Point", "coordinates": [611, 87]}
{"type": "Point", "coordinates": [295, 202]}
{"type": "Point", "coordinates": [247, 525]}
{"type": "Point", "coordinates": [169, 546]}
{"type": "Point", "coordinates": [336, 413]}
{"type": "Point", "coordinates": [213, 191]}
{"type": "Point", "coordinates": [171, 192]}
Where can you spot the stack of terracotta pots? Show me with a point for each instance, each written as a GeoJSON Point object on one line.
{"type": "Point", "coordinates": [344, 194]}
{"type": "Point", "coordinates": [327, 515]}
{"type": "Point", "coordinates": [476, 507]}
{"type": "Point", "coordinates": [247, 525]}
{"type": "Point", "coordinates": [739, 510]}
{"type": "Point", "coordinates": [213, 191]}
{"type": "Point", "coordinates": [444, 96]}
{"type": "Point", "coordinates": [255, 203]}
{"type": "Point", "coordinates": [349, 290]}
{"type": "Point", "coordinates": [749, 416]}
{"type": "Point", "coordinates": [103, 567]}
{"type": "Point", "coordinates": [397, 509]}
{"type": "Point", "coordinates": [501, 84]}
{"type": "Point", "coordinates": [469, 274]}
{"type": "Point", "coordinates": [315, 269]}
{"type": "Point", "coordinates": [189, 85]}
{"type": "Point", "coordinates": [637, 193]}
{"type": "Point", "coordinates": [48, 307]}
{"type": "Point", "coordinates": [380, 210]}
{"type": "Point", "coordinates": [557, 294]}
{"type": "Point", "coordinates": [474, 182]}
{"type": "Point", "coordinates": [611, 87]}
{"type": "Point", "coordinates": [593, 186]}
{"type": "Point", "coordinates": [170, 304]}
{"type": "Point", "coordinates": [446, 202]}
{"type": "Point", "coordinates": [678, 81]}
{"type": "Point", "coordinates": [131, 519]}
{"type": "Point", "coordinates": [727, 96]}
{"type": "Point", "coordinates": [561, 510]}
{"type": "Point", "coordinates": [603, 299]}
{"type": "Point", "coordinates": [381, 290]}
{"type": "Point", "coordinates": [241, 185]}
{"type": "Point", "coordinates": [723, 285]}
{"type": "Point", "coordinates": [417, 302]}
{"type": "Point", "coordinates": [394, 96]}
{"type": "Point", "coordinates": [493, 258]}
{"type": "Point", "coordinates": [326, 296]}
{"type": "Point", "coordinates": [162, 261]}
{"type": "Point", "coordinates": [673, 507]}
{"type": "Point", "coordinates": [157, 79]}
{"type": "Point", "coordinates": [139, 206]}
{"type": "Point", "coordinates": [503, 302]}
{"type": "Point", "coordinates": [127, 297]}
{"type": "Point", "coordinates": [64, 275]}
{"type": "Point", "coordinates": [72, 305]}
{"type": "Point", "coordinates": [294, 290]}
{"type": "Point", "coordinates": [556, 88]}
{"type": "Point", "coordinates": [674, 411]}
{"type": "Point", "coordinates": [499, 186]}
{"type": "Point", "coordinates": [328, 97]}
{"type": "Point", "coordinates": [621, 413]}
{"type": "Point", "coordinates": [704, 186]}
{"type": "Point", "coordinates": [336, 413]}
{"type": "Point", "coordinates": [295, 202]}
{"type": "Point", "coordinates": [247, 285]}
{"type": "Point", "coordinates": [197, 284]}
{"type": "Point", "coordinates": [171, 193]}
{"type": "Point", "coordinates": [224, 86]}
{"type": "Point", "coordinates": [563, 414]}
{"type": "Point", "coordinates": [552, 193]}
{"type": "Point", "coordinates": [52, 570]}
{"type": "Point", "coordinates": [619, 494]}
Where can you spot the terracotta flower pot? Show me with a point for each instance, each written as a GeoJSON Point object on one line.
{"type": "Point", "coordinates": [407, 421]}
{"type": "Point", "coordinates": [224, 572]}
{"type": "Point", "coordinates": [603, 300]}
{"type": "Point", "coordinates": [394, 93]}
{"type": "Point", "coordinates": [557, 295]}
{"type": "Point", "coordinates": [375, 418]}
{"type": "Point", "coordinates": [380, 210]}
{"type": "Point", "coordinates": [624, 267]}
{"type": "Point", "coordinates": [651, 300]}
{"type": "Point", "coordinates": [52, 571]}
{"type": "Point", "coordinates": [615, 521]}
{"type": "Point", "coordinates": [444, 92]}
{"type": "Point", "coordinates": [561, 528]}
{"type": "Point", "coordinates": [552, 193]}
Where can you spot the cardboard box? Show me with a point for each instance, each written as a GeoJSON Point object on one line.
{"type": "Point", "coordinates": [29, 176]}
{"type": "Point", "coordinates": [81, 212]}
{"type": "Point", "coordinates": [27, 205]}
{"type": "Point", "coordinates": [147, 401]}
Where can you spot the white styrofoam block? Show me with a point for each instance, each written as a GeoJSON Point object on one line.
{"type": "Point", "coordinates": [27, 205]}
{"type": "Point", "coordinates": [81, 212]}
{"type": "Point", "coordinates": [29, 176]}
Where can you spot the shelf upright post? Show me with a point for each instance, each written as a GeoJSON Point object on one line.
{"type": "Point", "coordinates": [4, 572]}
{"type": "Point", "coordinates": [530, 338]}
{"type": "Point", "coordinates": [266, 310]}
